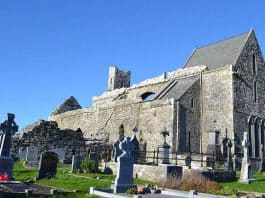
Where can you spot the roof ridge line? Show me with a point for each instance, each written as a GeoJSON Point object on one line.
{"type": "Point", "coordinates": [219, 41]}
{"type": "Point", "coordinates": [249, 33]}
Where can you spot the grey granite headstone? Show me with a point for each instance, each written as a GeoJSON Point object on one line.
{"type": "Point", "coordinates": [76, 163]}
{"type": "Point", "coordinates": [124, 178]}
{"type": "Point", "coordinates": [32, 156]}
{"type": "Point", "coordinates": [246, 175]}
{"type": "Point", "coordinates": [95, 157]}
{"type": "Point", "coordinates": [22, 154]}
{"type": "Point", "coordinates": [7, 129]}
{"type": "Point", "coordinates": [60, 152]}
{"type": "Point", "coordinates": [48, 165]}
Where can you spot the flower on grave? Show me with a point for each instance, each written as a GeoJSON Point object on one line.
{"type": "Point", "coordinates": [4, 177]}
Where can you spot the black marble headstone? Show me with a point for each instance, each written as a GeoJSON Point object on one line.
{"type": "Point", "coordinates": [48, 165]}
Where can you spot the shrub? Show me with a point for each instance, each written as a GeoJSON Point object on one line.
{"type": "Point", "coordinates": [192, 181]}
{"type": "Point", "coordinates": [88, 166]}
{"type": "Point", "coordinates": [131, 191]}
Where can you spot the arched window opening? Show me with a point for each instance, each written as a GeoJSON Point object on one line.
{"type": "Point", "coordinates": [147, 96]}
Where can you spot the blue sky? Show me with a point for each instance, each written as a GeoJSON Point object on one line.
{"type": "Point", "coordinates": [52, 49]}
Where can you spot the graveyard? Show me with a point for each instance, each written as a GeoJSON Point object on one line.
{"type": "Point", "coordinates": [125, 171]}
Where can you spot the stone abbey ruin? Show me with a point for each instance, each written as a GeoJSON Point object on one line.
{"type": "Point", "coordinates": [217, 96]}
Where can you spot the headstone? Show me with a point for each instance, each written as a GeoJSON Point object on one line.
{"type": "Point", "coordinates": [262, 162]}
{"type": "Point", "coordinates": [165, 148]}
{"type": "Point", "coordinates": [135, 152]}
{"type": "Point", "coordinates": [22, 154]}
{"type": "Point", "coordinates": [229, 156]}
{"type": "Point", "coordinates": [32, 156]}
{"type": "Point", "coordinates": [116, 150]}
{"type": "Point", "coordinates": [76, 163]}
{"type": "Point", "coordinates": [7, 129]}
{"type": "Point", "coordinates": [142, 153]}
{"type": "Point", "coordinates": [95, 157]}
{"type": "Point", "coordinates": [48, 165]}
{"type": "Point", "coordinates": [60, 152]}
{"type": "Point", "coordinates": [124, 178]}
{"type": "Point", "coordinates": [246, 171]}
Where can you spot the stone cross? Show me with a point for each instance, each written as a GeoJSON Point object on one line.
{"type": "Point", "coordinates": [124, 178]}
{"type": "Point", "coordinates": [8, 128]}
{"type": "Point", "coordinates": [229, 155]}
{"type": "Point", "coordinates": [246, 171]}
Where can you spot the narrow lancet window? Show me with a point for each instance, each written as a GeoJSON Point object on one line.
{"type": "Point", "coordinates": [254, 69]}
{"type": "Point", "coordinates": [255, 91]}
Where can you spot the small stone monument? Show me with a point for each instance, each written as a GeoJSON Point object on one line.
{"type": "Point", "coordinates": [116, 150]}
{"type": "Point", "coordinates": [135, 142]}
{"type": "Point", "coordinates": [48, 165]}
{"type": "Point", "coordinates": [76, 163]}
{"type": "Point", "coordinates": [124, 178]}
{"type": "Point", "coordinates": [165, 148]}
{"type": "Point", "coordinates": [262, 162]}
{"type": "Point", "coordinates": [7, 129]}
{"type": "Point", "coordinates": [246, 171]}
{"type": "Point", "coordinates": [22, 154]}
{"type": "Point", "coordinates": [229, 156]}
{"type": "Point", "coordinates": [95, 157]}
{"type": "Point", "coordinates": [32, 155]}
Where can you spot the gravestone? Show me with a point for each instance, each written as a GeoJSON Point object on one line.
{"type": "Point", "coordinates": [32, 156]}
{"type": "Point", "coordinates": [135, 142]}
{"type": "Point", "coordinates": [116, 150]}
{"type": "Point", "coordinates": [95, 157]}
{"type": "Point", "coordinates": [229, 160]}
{"type": "Point", "coordinates": [262, 162]}
{"type": "Point", "coordinates": [60, 152]}
{"type": "Point", "coordinates": [124, 178]}
{"type": "Point", "coordinates": [7, 129]}
{"type": "Point", "coordinates": [76, 163]}
{"type": "Point", "coordinates": [22, 154]}
{"type": "Point", "coordinates": [165, 148]}
{"type": "Point", "coordinates": [48, 165]}
{"type": "Point", "coordinates": [246, 171]}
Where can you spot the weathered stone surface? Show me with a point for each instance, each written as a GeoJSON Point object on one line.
{"type": "Point", "coordinates": [46, 136]}
{"type": "Point", "coordinates": [69, 104]}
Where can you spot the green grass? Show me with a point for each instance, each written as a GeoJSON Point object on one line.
{"type": "Point", "coordinates": [67, 181]}
{"type": "Point", "coordinates": [258, 185]}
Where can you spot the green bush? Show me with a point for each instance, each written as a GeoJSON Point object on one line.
{"type": "Point", "coordinates": [88, 166]}
{"type": "Point", "coordinates": [131, 191]}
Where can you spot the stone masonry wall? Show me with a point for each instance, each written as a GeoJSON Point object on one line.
{"type": "Point", "coordinates": [47, 136]}
{"type": "Point", "coordinates": [217, 106]}
{"type": "Point", "coordinates": [103, 123]}
{"type": "Point", "coordinates": [243, 83]}
{"type": "Point", "coordinates": [190, 119]}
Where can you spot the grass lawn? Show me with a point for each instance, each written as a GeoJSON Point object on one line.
{"type": "Point", "coordinates": [68, 181]}
{"type": "Point", "coordinates": [258, 185]}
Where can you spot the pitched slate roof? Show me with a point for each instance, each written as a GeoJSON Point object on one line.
{"type": "Point", "coordinates": [177, 88]}
{"type": "Point", "coordinates": [220, 53]}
